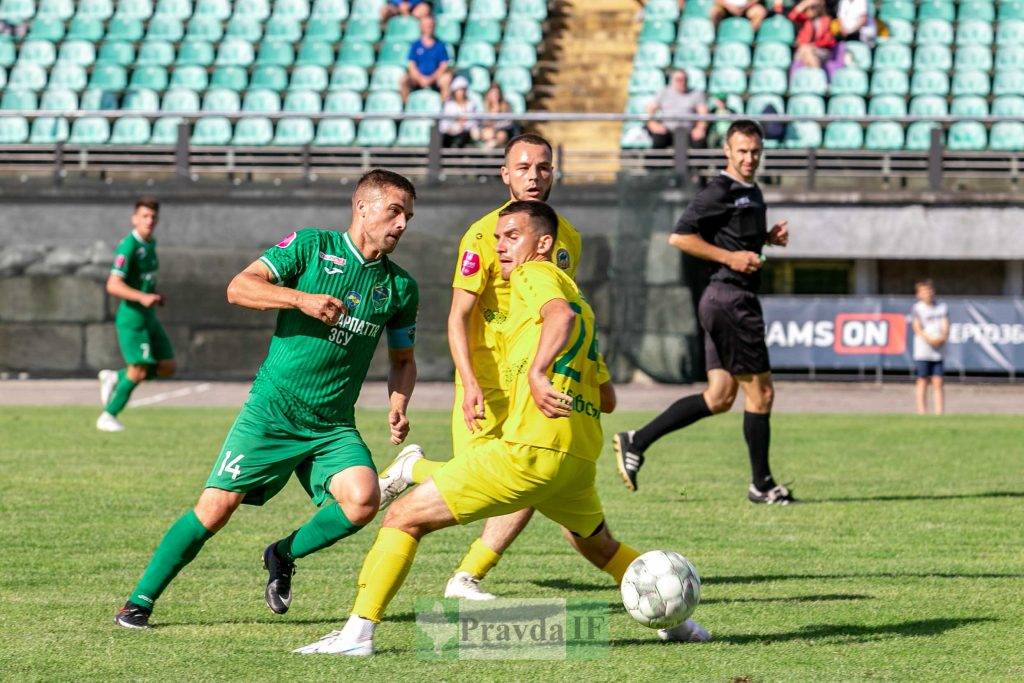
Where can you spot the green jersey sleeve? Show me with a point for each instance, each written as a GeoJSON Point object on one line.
{"type": "Point", "coordinates": [402, 325]}
{"type": "Point", "coordinates": [123, 254]}
{"type": "Point", "coordinates": [292, 255]}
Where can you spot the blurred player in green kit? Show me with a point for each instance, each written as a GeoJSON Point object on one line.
{"type": "Point", "coordinates": [144, 344]}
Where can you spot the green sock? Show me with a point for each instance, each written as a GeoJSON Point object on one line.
{"type": "Point", "coordinates": [178, 547]}
{"type": "Point", "coordinates": [122, 392]}
{"type": "Point", "coordinates": [328, 526]}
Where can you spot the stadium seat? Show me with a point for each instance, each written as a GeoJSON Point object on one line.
{"type": "Point", "coordinates": [165, 27]}
{"type": "Point", "coordinates": [858, 54]}
{"type": "Point", "coordinates": [262, 101]}
{"type": "Point", "coordinates": [970, 83]}
{"type": "Point", "coordinates": [973, 58]}
{"type": "Point", "coordinates": [384, 102]}
{"type": "Point", "coordinates": [697, 8]}
{"type": "Point", "coordinates": [928, 105]}
{"type": "Point", "coordinates": [195, 53]}
{"type": "Point", "coordinates": [919, 136]}
{"type": "Point", "coordinates": [929, 83]}
{"type": "Point", "coordinates": [386, 78]}
{"type": "Point", "coordinates": [732, 55]}
{"type": "Point", "coordinates": [966, 136]}
{"type": "Point", "coordinates": [936, 9]}
{"type": "Point", "coordinates": [344, 102]}
{"type": "Point", "coordinates": [180, 99]}
{"type": "Point", "coordinates": [933, 58]}
{"type": "Point", "coordinates": [977, 11]}
{"type": "Point", "coordinates": [257, 10]}
{"type": "Point", "coordinates": [45, 28]}
{"type": "Point", "coordinates": [1008, 105]}
{"type": "Point", "coordinates": [974, 32]}
{"type": "Point", "coordinates": [648, 56]}
{"type": "Point", "coordinates": [1011, 11]}
{"type": "Point", "coordinates": [269, 78]}
{"type": "Point", "coordinates": [308, 77]}
{"type": "Point", "coordinates": [118, 52]}
{"type": "Point", "coordinates": [363, 30]}
{"type": "Point", "coordinates": [231, 77]}
{"type": "Point", "coordinates": [846, 105]}
{"type": "Point", "coordinates": [211, 130]}
{"type": "Point", "coordinates": [204, 28]}
{"type": "Point", "coordinates": [152, 77]}
{"type": "Point", "coordinates": [728, 81]}
{"type": "Point", "coordinates": [1009, 57]}
{"type": "Point", "coordinates": [697, 80]}
{"type": "Point", "coordinates": [315, 53]}
{"type": "Point", "coordinates": [756, 104]}
{"type": "Point", "coordinates": [393, 54]}
{"type": "Point", "coordinates": [56, 9]}
{"type": "Point", "coordinates": [134, 9]}
{"type": "Point", "coordinates": [323, 30]}
{"type": "Point", "coordinates": [155, 53]}
{"type": "Point", "coordinates": [234, 52]}
{"type": "Point", "coordinates": [284, 29]}
{"type": "Point", "coordinates": [889, 82]}
{"type": "Point", "coordinates": [165, 131]}
{"type": "Point", "coordinates": [523, 55]}
{"type": "Point", "coordinates": [448, 30]}
{"type": "Point", "coordinates": [335, 133]}
{"type": "Point", "coordinates": [643, 81]}
{"type": "Point", "coordinates": [884, 135]}
{"type": "Point", "coordinates": [771, 56]}
{"type": "Point", "coordinates": [89, 131]}
{"type": "Point", "coordinates": [70, 76]}
{"type": "Point", "coordinates": [253, 132]}
{"type": "Point", "coordinates": [667, 10]}
{"type": "Point", "coordinates": [695, 29]}
{"type": "Point", "coordinates": [376, 133]}
{"type": "Point", "coordinates": [47, 130]}
{"type": "Point", "coordinates": [692, 56]}
{"type": "Point", "coordinates": [356, 54]}
{"type": "Point", "coordinates": [414, 133]}
{"type": "Point", "coordinates": [524, 29]}
{"type": "Point", "coordinates": [849, 81]}
{"type": "Point", "coordinates": [902, 31]}
{"type": "Point", "coordinates": [293, 132]}
{"type": "Point", "coordinates": [969, 106]}
{"type": "Point", "coordinates": [179, 9]}
{"type": "Point", "coordinates": [534, 9]}
{"type": "Point", "coordinates": [887, 105]}
{"type": "Point", "coordinates": [329, 10]}
{"type": "Point", "coordinates": [95, 99]}
{"type": "Point", "coordinates": [304, 101]}
{"type": "Point", "coordinates": [767, 82]}
{"type": "Point", "coordinates": [221, 99]}
{"type": "Point", "coordinates": [140, 99]}
{"type": "Point", "coordinates": [95, 9]}
{"type": "Point", "coordinates": [403, 28]}
{"type": "Point", "coordinates": [897, 9]}
{"type": "Point", "coordinates": [805, 105]}
{"type": "Point", "coordinates": [808, 81]}
{"type": "Point", "coordinates": [1010, 33]}
{"type": "Point", "coordinates": [479, 79]}
{"type": "Point", "coordinates": [13, 130]}
{"type": "Point", "coordinates": [803, 135]}
{"type": "Point", "coordinates": [41, 52]}
{"type": "Point", "coordinates": [19, 99]}
{"type": "Point", "coordinates": [130, 130]}
{"type": "Point", "coordinates": [246, 28]}
{"type": "Point", "coordinates": [349, 78]}
{"type": "Point", "coordinates": [776, 29]}
{"type": "Point", "coordinates": [1006, 136]}
{"type": "Point", "coordinates": [488, 9]}
{"type": "Point", "coordinates": [658, 31]}
{"type": "Point", "coordinates": [735, 30]}
{"type": "Point", "coordinates": [275, 53]}
{"type": "Point", "coordinates": [1009, 82]}
{"type": "Point", "coordinates": [894, 56]}
{"type": "Point", "coordinates": [934, 32]}
{"type": "Point", "coordinates": [476, 54]}
{"type": "Point", "coordinates": [8, 55]}
{"type": "Point", "coordinates": [423, 101]}
{"type": "Point", "coordinates": [121, 29]}
{"type": "Point", "coordinates": [59, 99]}
{"type": "Point", "coordinates": [218, 9]}
{"type": "Point", "coordinates": [26, 76]}
{"type": "Point", "coordinates": [843, 135]}
{"type": "Point", "coordinates": [84, 28]}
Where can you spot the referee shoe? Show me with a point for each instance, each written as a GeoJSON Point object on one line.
{"type": "Point", "coordinates": [627, 460]}
{"type": "Point", "coordinates": [777, 495]}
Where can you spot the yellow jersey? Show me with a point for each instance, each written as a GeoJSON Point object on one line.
{"type": "Point", "coordinates": [478, 271]}
{"type": "Point", "coordinates": [578, 370]}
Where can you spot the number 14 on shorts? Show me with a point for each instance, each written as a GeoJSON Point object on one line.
{"type": "Point", "coordinates": [229, 464]}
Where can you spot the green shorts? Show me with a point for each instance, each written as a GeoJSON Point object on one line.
{"type": "Point", "coordinates": [267, 443]}
{"type": "Point", "coordinates": [143, 340]}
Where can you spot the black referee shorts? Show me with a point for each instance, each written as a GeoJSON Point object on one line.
{"type": "Point", "coordinates": [733, 330]}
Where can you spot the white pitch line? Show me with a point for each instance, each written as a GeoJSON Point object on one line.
{"type": "Point", "coordinates": [166, 395]}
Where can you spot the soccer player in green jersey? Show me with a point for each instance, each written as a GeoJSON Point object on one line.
{"type": "Point", "coordinates": [144, 343]}
{"type": "Point", "coordinates": [336, 293]}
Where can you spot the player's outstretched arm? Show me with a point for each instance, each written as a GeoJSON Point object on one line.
{"type": "Point", "coordinates": [695, 245]}
{"type": "Point", "coordinates": [254, 288]}
{"type": "Point", "coordinates": [116, 286]}
{"type": "Point", "coordinates": [557, 321]}
{"type": "Point", "coordinates": [401, 382]}
{"type": "Point", "coordinates": [458, 341]}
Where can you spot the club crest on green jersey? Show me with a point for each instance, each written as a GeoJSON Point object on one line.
{"type": "Point", "coordinates": [352, 301]}
{"type": "Point", "coordinates": [380, 295]}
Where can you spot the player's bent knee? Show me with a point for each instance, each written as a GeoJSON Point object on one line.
{"type": "Point", "coordinates": [720, 403]}
{"type": "Point", "coordinates": [136, 373]}
{"type": "Point", "coordinates": [216, 506]}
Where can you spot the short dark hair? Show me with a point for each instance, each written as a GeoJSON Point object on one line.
{"type": "Point", "coordinates": [745, 127]}
{"type": "Point", "coordinates": [926, 282]}
{"type": "Point", "coordinates": [147, 203]}
{"type": "Point", "coordinates": [548, 219]}
{"type": "Point", "coordinates": [381, 177]}
{"type": "Point", "coordinates": [529, 139]}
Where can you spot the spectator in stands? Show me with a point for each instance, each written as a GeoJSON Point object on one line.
{"type": "Point", "coordinates": [930, 321]}
{"type": "Point", "coordinates": [496, 133]}
{"type": "Point", "coordinates": [464, 129]}
{"type": "Point", "coordinates": [428, 62]}
{"type": "Point", "coordinates": [676, 100]}
{"type": "Point", "coordinates": [751, 9]}
{"type": "Point", "coordinates": [815, 41]}
{"type": "Point", "coordinates": [852, 20]}
{"type": "Point", "coordinates": [721, 105]}
{"type": "Point", "coordinates": [417, 8]}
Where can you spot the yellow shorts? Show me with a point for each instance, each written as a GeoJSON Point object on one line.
{"type": "Point", "coordinates": [495, 414]}
{"type": "Point", "coordinates": [500, 478]}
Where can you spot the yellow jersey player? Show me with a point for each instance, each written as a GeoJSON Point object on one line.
{"type": "Point", "coordinates": [480, 304]}
{"type": "Point", "coordinates": [557, 389]}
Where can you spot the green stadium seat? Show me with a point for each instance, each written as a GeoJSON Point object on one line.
{"type": "Point", "coordinates": [734, 55]}
{"type": "Point", "coordinates": [423, 101]}
{"type": "Point", "coordinates": [643, 81]}
{"type": "Point", "coordinates": [257, 10]}
{"type": "Point", "coordinates": [8, 55]}
{"type": "Point", "coordinates": [47, 130]}
{"type": "Point", "coordinates": [180, 99]}
{"type": "Point", "coordinates": [515, 53]}
{"type": "Point", "coordinates": [476, 54]}
{"type": "Point", "coordinates": [692, 56]}
{"type": "Point", "coordinates": [275, 53]}
{"type": "Point", "coordinates": [661, 10]}
{"type": "Point", "coordinates": [363, 30]}
{"type": "Point", "coordinates": [67, 75]}
{"type": "Point", "coordinates": [1008, 83]}
{"type": "Point", "coordinates": [95, 99]}
{"type": "Point", "coordinates": [349, 77]}
{"type": "Point", "coordinates": [1006, 136]}
{"type": "Point", "coordinates": [516, 101]}
{"type": "Point", "coordinates": [165, 131]}
{"type": "Point", "coordinates": [155, 53]}
{"type": "Point", "coordinates": [140, 99]}
{"type": "Point", "coordinates": [89, 130]}
{"type": "Point", "coordinates": [195, 53]}
{"type": "Point", "coordinates": [414, 133]}
{"type": "Point", "coordinates": [364, 9]}
{"type": "Point", "coordinates": [376, 133]}
{"type": "Point", "coordinates": [488, 9]}
{"type": "Point", "coordinates": [969, 105]}
{"type": "Point", "coordinates": [357, 54]}
{"type": "Point", "coordinates": [13, 130]}
{"type": "Point", "coordinates": [966, 136]}
{"type": "Point", "coordinates": [805, 105]}
{"type": "Point", "coordinates": [897, 9]}
{"type": "Point", "coordinates": [843, 135]}
{"type": "Point", "coordinates": [919, 136]}
{"type": "Point", "coordinates": [59, 99]}
{"type": "Point", "coordinates": [889, 82]}
{"type": "Point", "coordinates": [902, 31]}
{"type": "Point", "coordinates": [735, 30]}
{"type": "Point", "coordinates": [934, 32]}
{"type": "Point", "coordinates": [335, 133]}
{"type": "Point", "coordinates": [253, 132]}
{"type": "Point", "coordinates": [26, 76]}
{"type": "Point", "coordinates": [134, 9]}
{"type": "Point", "coordinates": [514, 79]}
{"type": "Point", "coordinates": [204, 27]}
{"type": "Point", "coordinates": [534, 9]}
{"type": "Point", "coordinates": [119, 52]}
{"type": "Point", "coordinates": [448, 30]}
{"type": "Point", "coordinates": [697, 8]}
{"type": "Point", "coordinates": [84, 28]}
{"type": "Point", "coordinates": [165, 27]}
{"type": "Point", "coordinates": [634, 136]}
{"type": "Point", "coordinates": [808, 81]}
{"type": "Point", "coordinates": [970, 83]}
{"type": "Point", "coordinates": [929, 83]}
{"type": "Point", "coordinates": [284, 29]}
{"type": "Point", "coordinates": [648, 55]}
{"type": "Point", "coordinates": [330, 10]}
{"type": "Point", "coordinates": [756, 104]}
{"type": "Point", "coordinates": [638, 104]}
{"type": "Point", "coordinates": [130, 130]}
{"type": "Point", "coordinates": [1008, 105]}
{"type": "Point", "coordinates": [315, 53]}
{"type": "Point", "coordinates": [95, 9]}
{"type": "Point", "coordinates": [977, 11]}
{"type": "Point", "coordinates": [293, 132]}
{"type": "Point", "coordinates": [695, 29]}
{"type": "Point", "coordinates": [269, 78]}
{"type": "Point", "coordinates": [776, 29]}
{"type": "Point", "coordinates": [402, 28]}
{"type": "Point", "coordinates": [261, 100]}
{"type": "Point", "coordinates": [884, 135]}
{"type": "Point", "coordinates": [846, 105]}
{"type": "Point", "coordinates": [384, 102]}
{"type": "Point", "coordinates": [344, 102]}
{"type": "Point", "coordinates": [221, 99]}
{"type": "Point", "coordinates": [218, 9]}
{"type": "Point", "coordinates": [304, 101]}
{"type": "Point", "coordinates": [1010, 33]}
{"type": "Point", "coordinates": [479, 79]}
{"type": "Point", "coordinates": [179, 9]}
{"type": "Point", "coordinates": [697, 80]}
{"type": "Point", "coordinates": [152, 77]}
{"type": "Point", "coordinates": [41, 52]}
{"type": "Point", "coordinates": [894, 56]}
{"type": "Point", "coordinates": [46, 28]}
{"type": "Point", "coordinates": [19, 99]}
{"type": "Point", "coordinates": [928, 105]}
{"type": "Point", "coordinates": [294, 9]}
{"type": "Point", "coordinates": [803, 135]}
{"type": "Point", "coordinates": [56, 9]}
{"type": "Point", "coordinates": [728, 81]}
{"type": "Point", "coordinates": [657, 31]}
{"type": "Point", "coordinates": [211, 131]}
{"type": "Point", "coordinates": [1011, 11]}
{"type": "Point", "coordinates": [887, 105]}
{"type": "Point", "coordinates": [386, 78]}
{"type": "Point", "coordinates": [973, 58]}
{"type": "Point", "coordinates": [308, 77]}
{"type": "Point", "coordinates": [771, 56]}
{"type": "Point", "coordinates": [1009, 57]}
{"type": "Point", "coordinates": [936, 9]}
{"type": "Point", "coordinates": [231, 77]}
{"type": "Point", "coordinates": [482, 30]}
{"type": "Point", "coordinates": [858, 53]}
{"type": "Point", "coordinates": [322, 31]}
{"type": "Point", "coordinates": [974, 32]}
{"type": "Point", "coordinates": [766, 82]}
{"type": "Point", "coordinates": [234, 52]}
{"type": "Point", "coordinates": [121, 29]}
{"type": "Point", "coordinates": [933, 58]}
{"type": "Point", "coordinates": [526, 30]}
{"type": "Point", "coordinates": [246, 28]}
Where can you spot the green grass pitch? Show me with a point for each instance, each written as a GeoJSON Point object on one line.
{"type": "Point", "coordinates": [904, 562]}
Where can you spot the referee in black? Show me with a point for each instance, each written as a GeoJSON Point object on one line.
{"type": "Point", "coordinates": [725, 224]}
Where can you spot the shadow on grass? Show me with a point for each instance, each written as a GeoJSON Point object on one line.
{"type": "Point", "coordinates": [762, 578]}
{"type": "Point", "coordinates": [337, 621]}
{"type": "Point", "coordinates": [938, 496]}
{"type": "Point", "coordinates": [568, 585]}
{"type": "Point", "coordinates": [826, 597]}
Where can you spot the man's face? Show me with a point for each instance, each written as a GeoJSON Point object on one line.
{"type": "Point", "coordinates": [385, 214]}
{"type": "Point", "coordinates": [518, 242]}
{"type": "Point", "coordinates": [427, 26]}
{"type": "Point", "coordinates": [926, 293]}
{"type": "Point", "coordinates": [528, 172]}
{"type": "Point", "coordinates": [144, 221]}
{"type": "Point", "coordinates": [744, 154]}
{"type": "Point", "coordinates": [679, 81]}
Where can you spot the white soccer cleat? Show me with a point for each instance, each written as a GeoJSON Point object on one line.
{"type": "Point", "coordinates": [466, 587]}
{"type": "Point", "coordinates": [687, 632]}
{"type": "Point", "coordinates": [108, 380]}
{"type": "Point", "coordinates": [354, 640]}
{"type": "Point", "coordinates": [108, 423]}
{"type": "Point", "coordinates": [397, 476]}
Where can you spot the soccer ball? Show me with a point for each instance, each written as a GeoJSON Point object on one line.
{"type": "Point", "coordinates": [660, 589]}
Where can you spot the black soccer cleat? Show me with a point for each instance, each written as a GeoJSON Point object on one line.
{"type": "Point", "coordinates": [777, 495]}
{"type": "Point", "coordinates": [133, 616]}
{"type": "Point", "coordinates": [279, 581]}
{"type": "Point", "coordinates": [627, 460]}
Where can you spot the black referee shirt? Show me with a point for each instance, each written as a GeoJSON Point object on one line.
{"type": "Point", "coordinates": [730, 215]}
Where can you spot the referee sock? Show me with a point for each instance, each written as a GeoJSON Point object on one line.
{"type": "Point", "coordinates": [424, 469]}
{"type": "Point", "coordinates": [328, 526]}
{"type": "Point", "coordinates": [384, 570]}
{"type": "Point", "coordinates": [757, 430]}
{"type": "Point", "coordinates": [122, 392]}
{"type": "Point", "coordinates": [620, 561]}
{"type": "Point", "coordinates": [682, 413]}
{"type": "Point", "coordinates": [177, 548]}
{"type": "Point", "coordinates": [479, 560]}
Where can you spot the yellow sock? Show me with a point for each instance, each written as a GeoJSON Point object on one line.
{"type": "Point", "coordinates": [383, 572]}
{"type": "Point", "coordinates": [424, 469]}
{"type": "Point", "coordinates": [479, 560]}
{"type": "Point", "coordinates": [620, 561]}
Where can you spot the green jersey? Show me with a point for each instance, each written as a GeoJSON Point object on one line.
{"type": "Point", "coordinates": [320, 368]}
{"type": "Point", "coordinates": [136, 263]}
